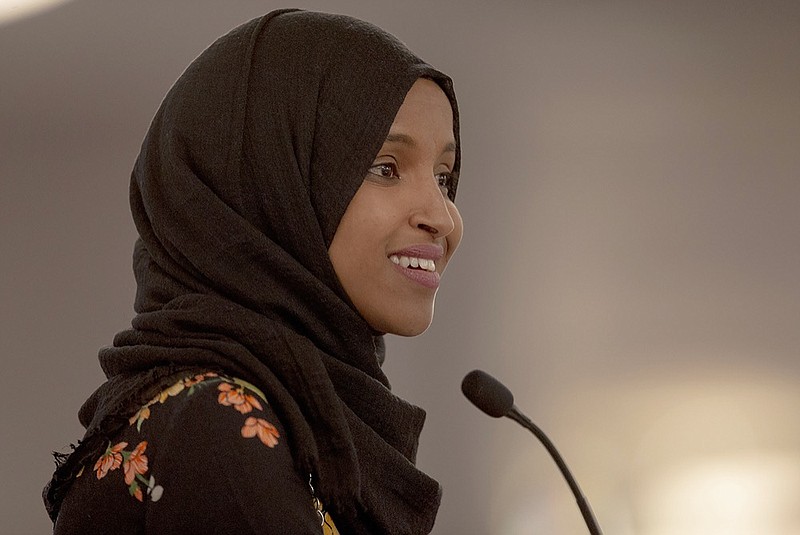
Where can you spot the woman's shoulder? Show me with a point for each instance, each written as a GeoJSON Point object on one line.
{"type": "Point", "coordinates": [211, 409]}
{"type": "Point", "coordinates": [210, 420]}
{"type": "Point", "coordinates": [206, 452]}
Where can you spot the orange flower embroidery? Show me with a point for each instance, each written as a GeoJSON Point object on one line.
{"type": "Point", "coordinates": [231, 396]}
{"type": "Point", "coordinates": [136, 463]}
{"type": "Point", "coordinates": [174, 390]}
{"type": "Point", "coordinates": [266, 432]}
{"type": "Point", "coordinates": [199, 378]}
{"type": "Point", "coordinates": [110, 460]}
{"type": "Point", "coordinates": [140, 416]}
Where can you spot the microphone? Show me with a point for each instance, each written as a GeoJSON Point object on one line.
{"type": "Point", "coordinates": [492, 397]}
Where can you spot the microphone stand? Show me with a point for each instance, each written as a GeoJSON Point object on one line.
{"type": "Point", "coordinates": [583, 505]}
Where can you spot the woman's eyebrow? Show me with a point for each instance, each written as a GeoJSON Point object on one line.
{"type": "Point", "coordinates": [405, 139]}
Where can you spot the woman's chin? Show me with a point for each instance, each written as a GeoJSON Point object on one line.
{"type": "Point", "coordinates": [408, 327]}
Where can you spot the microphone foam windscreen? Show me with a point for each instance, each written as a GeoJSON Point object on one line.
{"type": "Point", "coordinates": [487, 393]}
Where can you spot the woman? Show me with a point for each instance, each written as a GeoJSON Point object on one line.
{"type": "Point", "coordinates": [294, 201]}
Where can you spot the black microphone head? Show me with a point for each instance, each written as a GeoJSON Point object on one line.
{"type": "Point", "coordinates": [487, 393]}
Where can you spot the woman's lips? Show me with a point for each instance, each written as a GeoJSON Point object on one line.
{"type": "Point", "coordinates": [429, 279]}
{"type": "Point", "coordinates": [430, 251]}
{"type": "Point", "coordinates": [418, 263]}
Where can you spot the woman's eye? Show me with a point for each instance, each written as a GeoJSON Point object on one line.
{"type": "Point", "coordinates": [445, 181]}
{"type": "Point", "coordinates": [384, 170]}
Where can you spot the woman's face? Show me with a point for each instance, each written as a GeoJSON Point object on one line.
{"type": "Point", "coordinates": [400, 229]}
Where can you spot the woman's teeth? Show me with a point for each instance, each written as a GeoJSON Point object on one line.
{"type": "Point", "coordinates": [413, 262]}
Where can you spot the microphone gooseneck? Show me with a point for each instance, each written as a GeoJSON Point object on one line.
{"type": "Point", "coordinates": [495, 399]}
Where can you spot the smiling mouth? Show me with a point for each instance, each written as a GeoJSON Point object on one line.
{"type": "Point", "coordinates": [413, 262]}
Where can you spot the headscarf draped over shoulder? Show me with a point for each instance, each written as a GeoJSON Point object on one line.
{"type": "Point", "coordinates": [239, 187]}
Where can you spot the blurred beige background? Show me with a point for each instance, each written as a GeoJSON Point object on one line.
{"type": "Point", "coordinates": [631, 191]}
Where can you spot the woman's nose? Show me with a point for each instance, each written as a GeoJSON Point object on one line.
{"type": "Point", "coordinates": [430, 211]}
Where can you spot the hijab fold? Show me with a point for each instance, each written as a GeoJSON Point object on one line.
{"type": "Point", "coordinates": [237, 192]}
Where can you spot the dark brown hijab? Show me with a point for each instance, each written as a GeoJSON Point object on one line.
{"type": "Point", "coordinates": [238, 190]}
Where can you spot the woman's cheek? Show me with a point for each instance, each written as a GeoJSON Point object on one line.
{"type": "Point", "coordinates": [454, 238]}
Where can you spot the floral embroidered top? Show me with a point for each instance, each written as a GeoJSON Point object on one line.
{"type": "Point", "coordinates": [204, 456]}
